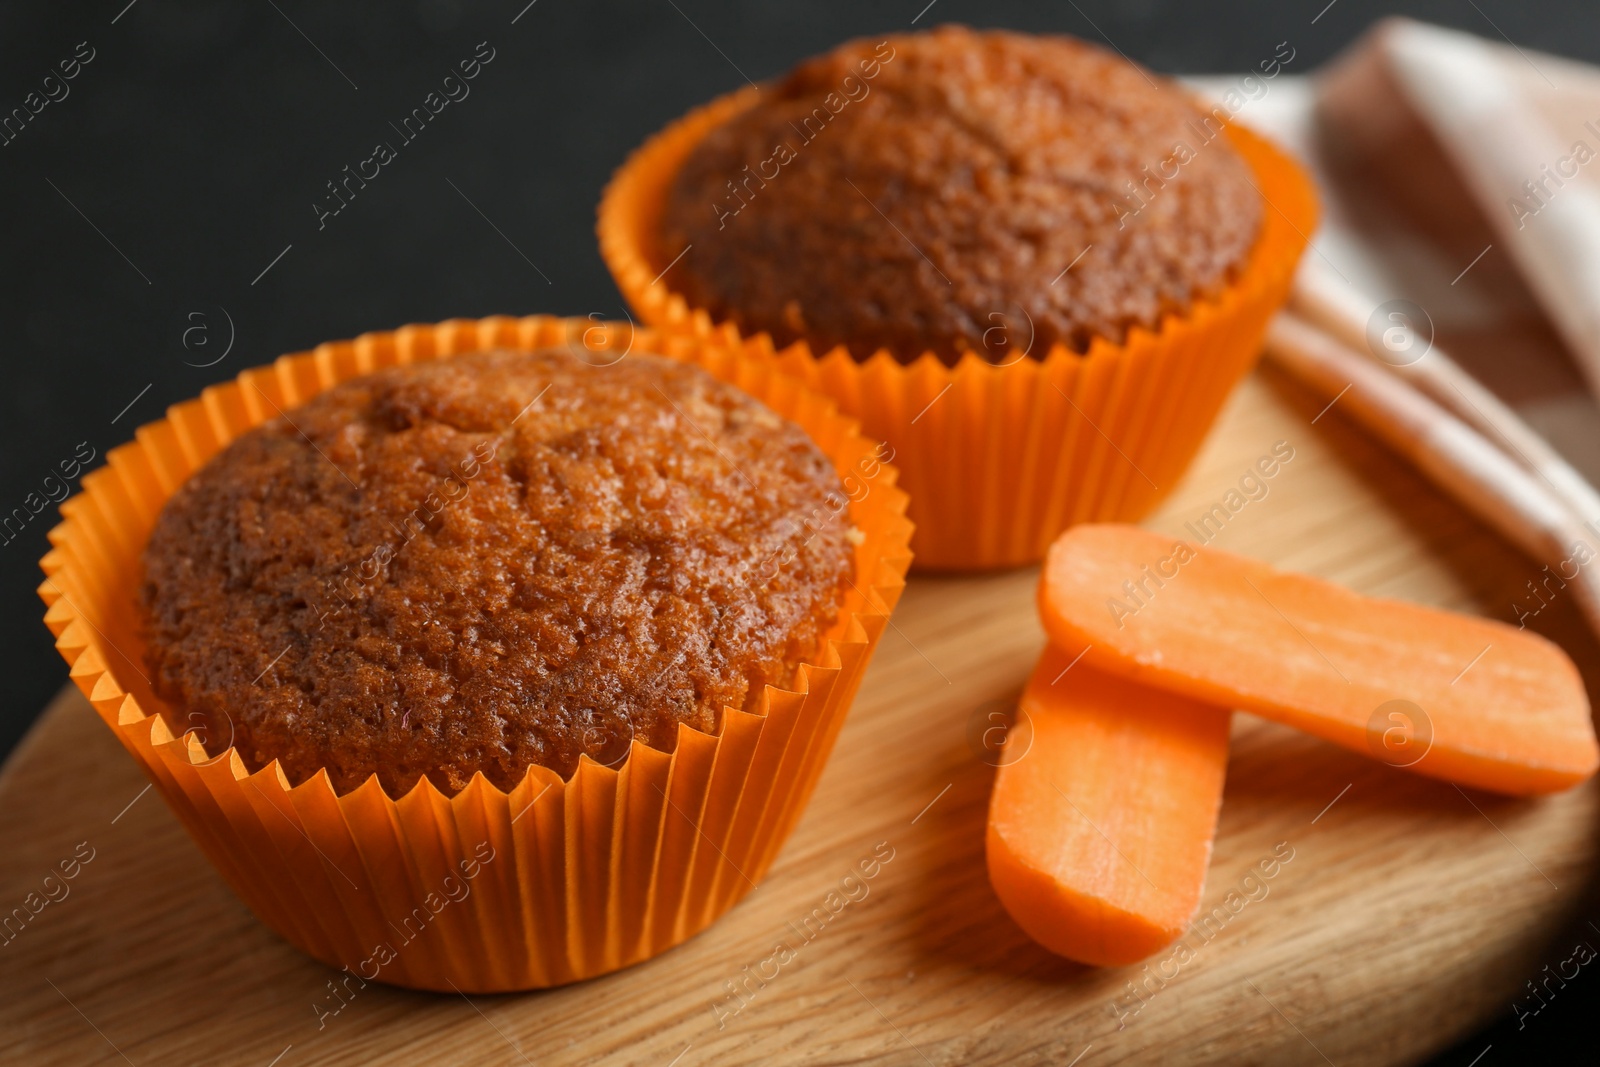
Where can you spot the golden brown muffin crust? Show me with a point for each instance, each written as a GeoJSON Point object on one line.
{"type": "Point", "coordinates": [491, 561]}
{"type": "Point", "coordinates": [928, 192]}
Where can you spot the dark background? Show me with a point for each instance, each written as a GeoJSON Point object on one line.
{"type": "Point", "coordinates": [190, 150]}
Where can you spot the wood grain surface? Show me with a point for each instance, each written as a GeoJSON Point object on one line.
{"type": "Point", "coordinates": [1410, 911]}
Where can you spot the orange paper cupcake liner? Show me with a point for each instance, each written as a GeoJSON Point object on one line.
{"type": "Point", "coordinates": [483, 891]}
{"type": "Point", "coordinates": [998, 460]}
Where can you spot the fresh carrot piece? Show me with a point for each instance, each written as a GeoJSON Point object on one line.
{"type": "Point", "coordinates": [1103, 812]}
{"type": "Point", "coordinates": [1452, 696]}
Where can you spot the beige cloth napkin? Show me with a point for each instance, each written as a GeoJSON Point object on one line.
{"type": "Point", "coordinates": [1464, 175]}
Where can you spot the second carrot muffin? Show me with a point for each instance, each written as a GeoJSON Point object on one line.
{"type": "Point", "coordinates": [1032, 268]}
{"type": "Point", "coordinates": [485, 655]}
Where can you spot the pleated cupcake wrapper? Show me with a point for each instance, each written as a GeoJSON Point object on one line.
{"type": "Point", "coordinates": [998, 460]}
{"type": "Point", "coordinates": [486, 890]}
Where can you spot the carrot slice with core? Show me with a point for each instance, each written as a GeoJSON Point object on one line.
{"type": "Point", "coordinates": [1103, 812]}
{"type": "Point", "coordinates": [1452, 696]}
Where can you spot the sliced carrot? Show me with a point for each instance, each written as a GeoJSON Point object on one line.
{"type": "Point", "coordinates": [1103, 812]}
{"type": "Point", "coordinates": [1453, 696]}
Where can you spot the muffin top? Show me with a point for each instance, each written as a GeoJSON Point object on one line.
{"type": "Point", "coordinates": [930, 192]}
{"type": "Point", "coordinates": [491, 561]}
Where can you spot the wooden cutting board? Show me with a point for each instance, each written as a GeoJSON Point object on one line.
{"type": "Point", "coordinates": [1409, 913]}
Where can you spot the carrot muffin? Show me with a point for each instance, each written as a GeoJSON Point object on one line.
{"type": "Point", "coordinates": [487, 562]}
{"type": "Point", "coordinates": [930, 192]}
